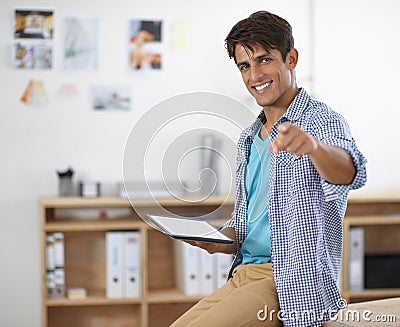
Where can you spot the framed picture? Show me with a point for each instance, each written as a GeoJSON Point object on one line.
{"type": "Point", "coordinates": [81, 43]}
{"type": "Point", "coordinates": [33, 24]}
{"type": "Point", "coordinates": [145, 45]}
{"type": "Point", "coordinates": [111, 97]}
{"type": "Point", "coordinates": [32, 55]}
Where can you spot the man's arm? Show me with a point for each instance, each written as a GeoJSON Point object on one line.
{"type": "Point", "coordinates": [334, 164]}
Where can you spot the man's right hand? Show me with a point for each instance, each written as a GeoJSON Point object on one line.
{"type": "Point", "coordinates": [218, 247]}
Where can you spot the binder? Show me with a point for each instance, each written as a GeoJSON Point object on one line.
{"type": "Point", "coordinates": [59, 272]}
{"type": "Point", "coordinates": [50, 267]}
{"type": "Point", "coordinates": [114, 265]}
{"type": "Point", "coordinates": [223, 263]}
{"type": "Point", "coordinates": [356, 259]}
{"type": "Point", "coordinates": [207, 283]}
{"type": "Point", "coordinates": [132, 264]}
{"type": "Point", "coordinates": [187, 267]}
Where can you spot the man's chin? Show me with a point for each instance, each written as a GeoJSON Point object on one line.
{"type": "Point", "coordinates": [263, 103]}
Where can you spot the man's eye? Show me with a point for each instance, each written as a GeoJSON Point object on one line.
{"type": "Point", "coordinates": [266, 59]}
{"type": "Point", "coordinates": [243, 67]}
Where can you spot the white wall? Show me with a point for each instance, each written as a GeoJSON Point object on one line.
{"type": "Point", "coordinates": [354, 71]}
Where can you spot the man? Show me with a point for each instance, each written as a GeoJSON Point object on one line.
{"type": "Point", "coordinates": [295, 167]}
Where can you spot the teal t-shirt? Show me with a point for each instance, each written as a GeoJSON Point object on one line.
{"type": "Point", "coordinates": [256, 247]}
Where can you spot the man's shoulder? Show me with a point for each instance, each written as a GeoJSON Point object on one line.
{"type": "Point", "coordinates": [318, 110]}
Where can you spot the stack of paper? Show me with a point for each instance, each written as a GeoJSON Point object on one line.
{"type": "Point", "coordinates": [76, 293]}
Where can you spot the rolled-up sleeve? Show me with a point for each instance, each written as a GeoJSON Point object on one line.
{"type": "Point", "coordinates": [230, 223]}
{"type": "Point", "coordinates": [337, 133]}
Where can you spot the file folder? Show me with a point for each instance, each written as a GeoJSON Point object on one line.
{"type": "Point", "coordinates": [132, 264]}
{"type": "Point", "coordinates": [223, 263]}
{"type": "Point", "coordinates": [187, 267]}
{"type": "Point", "coordinates": [356, 259]}
{"type": "Point", "coordinates": [114, 265]}
{"type": "Point", "coordinates": [59, 272]}
{"type": "Point", "coordinates": [50, 267]}
{"type": "Point", "coordinates": [207, 284]}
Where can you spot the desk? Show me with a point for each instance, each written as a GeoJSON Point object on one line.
{"type": "Point", "coordinates": [385, 313]}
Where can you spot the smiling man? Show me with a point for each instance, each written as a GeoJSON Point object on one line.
{"type": "Point", "coordinates": [295, 167]}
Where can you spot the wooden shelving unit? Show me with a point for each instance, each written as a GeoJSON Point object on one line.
{"type": "Point", "coordinates": [379, 215]}
{"type": "Point", "coordinates": [160, 302]}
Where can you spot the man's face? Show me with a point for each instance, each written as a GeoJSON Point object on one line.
{"type": "Point", "coordinates": [266, 75]}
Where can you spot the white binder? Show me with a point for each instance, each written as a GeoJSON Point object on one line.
{"type": "Point", "coordinates": [356, 259]}
{"type": "Point", "coordinates": [50, 267]}
{"type": "Point", "coordinates": [223, 263]}
{"type": "Point", "coordinates": [114, 265]}
{"type": "Point", "coordinates": [207, 272]}
{"type": "Point", "coordinates": [132, 266]}
{"type": "Point", "coordinates": [59, 273]}
{"type": "Point", "coordinates": [187, 267]}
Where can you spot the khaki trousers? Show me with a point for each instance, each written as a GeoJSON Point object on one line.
{"type": "Point", "coordinates": [245, 300]}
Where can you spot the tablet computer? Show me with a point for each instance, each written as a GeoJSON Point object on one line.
{"type": "Point", "coordinates": [189, 229]}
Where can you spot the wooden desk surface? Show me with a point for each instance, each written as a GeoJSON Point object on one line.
{"type": "Point", "coordinates": [385, 313]}
{"type": "Point", "coordinates": [361, 196]}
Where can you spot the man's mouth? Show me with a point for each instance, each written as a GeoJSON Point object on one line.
{"type": "Point", "coordinates": [262, 86]}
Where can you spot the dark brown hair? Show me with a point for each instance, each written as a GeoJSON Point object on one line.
{"type": "Point", "coordinates": [261, 28]}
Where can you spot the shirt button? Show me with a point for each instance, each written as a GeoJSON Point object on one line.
{"type": "Point", "coordinates": [241, 220]}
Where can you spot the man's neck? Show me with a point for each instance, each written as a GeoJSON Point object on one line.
{"type": "Point", "coordinates": [274, 112]}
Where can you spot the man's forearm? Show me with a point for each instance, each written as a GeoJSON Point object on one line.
{"type": "Point", "coordinates": [229, 248]}
{"type": "Point", "coordinates": [334, 164]}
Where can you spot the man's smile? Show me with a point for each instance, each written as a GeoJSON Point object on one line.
{"type": "Point", "coordinates": [261, 86]}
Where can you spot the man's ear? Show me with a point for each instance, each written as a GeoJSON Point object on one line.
{"type": "Point", "coordinates": [292, 57]}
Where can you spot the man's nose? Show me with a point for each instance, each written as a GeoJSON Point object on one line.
{"type": "Point", "coordinates": [255, 73]}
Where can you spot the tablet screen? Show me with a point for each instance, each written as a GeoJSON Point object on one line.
{"type": "Point", "coordinates": [189, 229]}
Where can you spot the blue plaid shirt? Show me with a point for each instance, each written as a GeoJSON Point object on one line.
{"type": "Point", "coordinates": [305, 211]}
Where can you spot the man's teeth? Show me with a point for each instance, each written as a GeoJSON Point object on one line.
{"type": "Point", "coordinates": [261, 87]}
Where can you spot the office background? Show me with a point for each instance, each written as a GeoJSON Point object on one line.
{"type": "Point", "coordinates": [347, 59]}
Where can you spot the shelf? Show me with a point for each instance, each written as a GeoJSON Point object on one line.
{"type": "Point", "coordinates": [73, 225]}
{"type": "Point", "coordinates": [368, 197]}
{"type": "Point", "coordinates": [362, 220]}
{"type": "Point", "coordinates": [80, 202]}
{"type": "Point", "coordinates": [154, 297]}
{"type": "Point", "coordinates": [110, 201]}
{"type": "Point", "coordinates": [170, 296]}
{"type": "Point", "coordinates": [90, 301]}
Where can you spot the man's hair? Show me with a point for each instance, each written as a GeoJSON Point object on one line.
{"type": "Point", "coordinates": [261, 28]}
